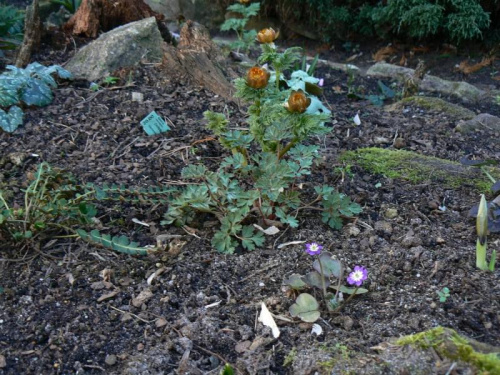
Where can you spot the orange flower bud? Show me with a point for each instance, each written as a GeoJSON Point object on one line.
{"type": "Point", "coordinates": [257, 78]}
{"type": "Point", "coordinates": [244, 1]}
{"type": "Point", "coordinates": [267, 35]}
{"type": "Point", "coordinates": [297, 102]}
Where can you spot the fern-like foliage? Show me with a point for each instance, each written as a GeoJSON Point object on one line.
{"type": "Point", "coordinates": [118, 243]}
{"type": "Point", "coordinates": [246, 38]}
{"type": "Point", "coordinates": [151, 195]}
{"type": "Point", "coordinates": [30, 86]}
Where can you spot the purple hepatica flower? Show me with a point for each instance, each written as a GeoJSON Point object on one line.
{"type": "Point", "coordinates": [313, 248]}
{"type": "Point", "coordinates": [321, 82]}
{"type": "Point", "coordinates": [357, 276]}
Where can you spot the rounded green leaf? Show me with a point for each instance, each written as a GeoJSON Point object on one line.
{"type": "Point", "coordinates": [295, 282]}
{"type": "Point", "coordinates": [306, 308]}
{"type": "Point", "coordinates": [316, 280]}
{"type": "Point", "coordinates": [331, 267]}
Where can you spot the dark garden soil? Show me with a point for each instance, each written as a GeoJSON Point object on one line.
{"type": "Point", "coordinates": [67, 307]}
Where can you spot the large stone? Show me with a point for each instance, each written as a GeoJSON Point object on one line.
{"type": "Point", "coordinates": [122, 47]}
{"type": "Point", "coordinates": [433, 104]}
{"type": "Point", "coordinates": [483, 121]}
{"type": "Point", "coordinates": [417, 168]}
{"type": "Point", "coordinates": [462, 90]}
{"type": "Point", "coordinates": [205, 12]}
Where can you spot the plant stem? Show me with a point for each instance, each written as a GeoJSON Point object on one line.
{"type": "Point", "coordinates": [322, 280]}
{"type": "Point", "coordinates": [347, 300]}
{"type": "Point", "coordinates": [288, 147]}
{"type": "Point", "coordinates": [4, 202]}
{"type": "Point", "coordinates": [487, 174]}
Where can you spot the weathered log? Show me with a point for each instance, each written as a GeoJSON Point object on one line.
{"type": "Point", "coordinates": [32, 32]}
{"type": "Point", "coordinates": [197, 58]}
{"type": "Point", "coordinates": [94, 16]}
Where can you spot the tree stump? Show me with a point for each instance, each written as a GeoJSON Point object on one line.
{"type": "Point", "coordinates": [197, 58]}
{"type": "Point", "coordinates": [31, 40]}
{"type": "Point", "coordinates": [94, 16]}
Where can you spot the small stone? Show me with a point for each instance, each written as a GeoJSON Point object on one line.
{"type": "Point", "coordinates": [304, 326]}
{"type": "Point", "coordinates": [399, 143]}
{"type": "Point", "coordinates": [160, 322]}
{"type": "Point", "coordinates": [440, 241]}
{"type": "Point", "coordinates": [140, 347]}
{"type": "Point", "coordinates": [383, 226]}
{"type": "Point", "coordinates": [348, 323]}
{"type": "Point", "coordinates": [242, 346]}
{"type": "Point", "coordinates": [3, 362]}
{"type": "Point", "coordinates": [391, 213]}
{"type": "Point", "coordinates": [126, 317]}
{"type": "Point", "coordinates": [110, 359]}
{"type": "Point", "coordinates": [433, 305]}
{"type": "Point", "coordinates": [137, 97]}
{"type": "Point", "coordinates": [407, 266]}
{"type": "Point", "coordinates": [353, 231]}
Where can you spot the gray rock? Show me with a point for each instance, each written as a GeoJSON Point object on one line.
{"type": "Point", "coordinates": [483, 121]}
{"type": "Point", "coordinates": [122, 47]}
{"type": "Point", "coordinates": [110, 359]}
{"type": "Point", "coordinates": [202, 11]}
{"type": "Point", "coordinates": [462, 90]}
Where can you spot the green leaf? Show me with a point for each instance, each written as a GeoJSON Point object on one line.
{"type": "Point", "coordinates": [347, 290]}
{"type": "Point", "coordinates": [306, 308]}
{"type": "Point", "coordinates": [227, 370]}
{"type": "Point", "coordinates": [316, 280]}
{"type": "Point", "coordinates": [118, 243]}
{"type": "Point", "coordinates": [331, 267]}
{"type": "Point", "coordinates": [250, 238]}
{"type": "Point", "coordinates": [10, 121]}
{"type": "Point", "coordinates": [295, 281]}
{"type": "Point", "coordinates": [223, 242]}
{"type": "Point", "coordinates": [194, 171]}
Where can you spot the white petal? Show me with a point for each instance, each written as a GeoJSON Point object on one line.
{"type": "Point", "coordinates": [267, 319]}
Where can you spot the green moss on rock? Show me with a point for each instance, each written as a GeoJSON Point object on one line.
{"type": "Point", "coordinates": [417, 168]}
{"type": "Point", "coordinates": [449, 344]}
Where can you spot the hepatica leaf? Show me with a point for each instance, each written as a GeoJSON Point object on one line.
{"type": "Point", "coordinates": [305, 308]}
{"type": "Point", "coordinates": [315, 279]}
{"type": "Point", "coordinates": [295, 282]}
{"type": "Point", "coordinates": [331, 267]}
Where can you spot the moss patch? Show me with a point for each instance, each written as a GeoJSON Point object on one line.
{"type": "Point", "coordinates": [418, 168]}
{"type": "Point", "coordinates": [450, 344]}
{"type": "Point", "coordinates": [434, 104]}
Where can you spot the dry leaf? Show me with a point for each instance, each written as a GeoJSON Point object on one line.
{"type": "Point", "coordinates": [466, 68]}
{"type": "Point", "coordinates": [70, 277]}
{"type": "Point", "coordinates": [290, 243]}
{"type": "Point", "coordinates": [403, 61]}
{"type": "Point", "coordinates": [108, 295]}
{"type": "Point", "coordinates": [269, 231]}
{"type": "Point", "coordinates": [316, 329]}
{"type": "Point", "coordinates": [420, 49]}
{"type": "Point", "coordinates": [384, 53]}
{"type": "Point", "coordinates": [158, 272]}
{"type": "Point", "coordinates": [267, 319]}
{"type": "Point", "coordinates": [143, 297]}
{"type": "Point", "coordinates": [137, 221]}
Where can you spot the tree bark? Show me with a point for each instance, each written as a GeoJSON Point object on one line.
{"type": "Point", "coordinates": [94, 16]}
{"type": "Point", "coordinates": [32, 31]}
{"type": "Point", "coordinates": [200, 60]}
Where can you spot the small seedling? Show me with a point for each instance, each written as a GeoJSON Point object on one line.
{"type": "Point", "coordinates": [246, 38]}
{"type": "Point", "coordinates": [443, 294]}
{"type": "Point", "coordinates": [110, 80]}
{"type": "Point", "coordinates": [481, 243]}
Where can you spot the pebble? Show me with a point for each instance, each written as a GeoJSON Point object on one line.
{"type": "Point", "coordinates": [383, 226]}
{"type": "Point", "coordinates": [391, 213]}
{"type": "Point", "coordinates": [140, 347]}
{"type": "Point", "coordinates": [110, 359]}
{"type": "Point", "coordinates": [3, 362]}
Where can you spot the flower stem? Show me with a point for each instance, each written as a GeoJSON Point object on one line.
{"type": "Point", "coordinates": [322, 281]}
{"type": "Point", "coordinates": [347, 300]}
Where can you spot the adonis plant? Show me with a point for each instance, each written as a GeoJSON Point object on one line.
{"type": "Point", "coordinates": [261, 181]}
{"type": "Point", "coordinates": [327, 276]}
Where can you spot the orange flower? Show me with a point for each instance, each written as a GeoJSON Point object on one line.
{"type": "Point", "coordinates": [244, 1]}
{"type": "Point", "coordinates": [267, 35]}
{"type": "Point", "coordinates": [297, 102]}
{"type": "Point", "coordinates": [257, 78]}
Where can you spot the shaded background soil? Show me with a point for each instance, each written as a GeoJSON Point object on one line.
{"type": "Point", "coordinates": [203, 305]}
